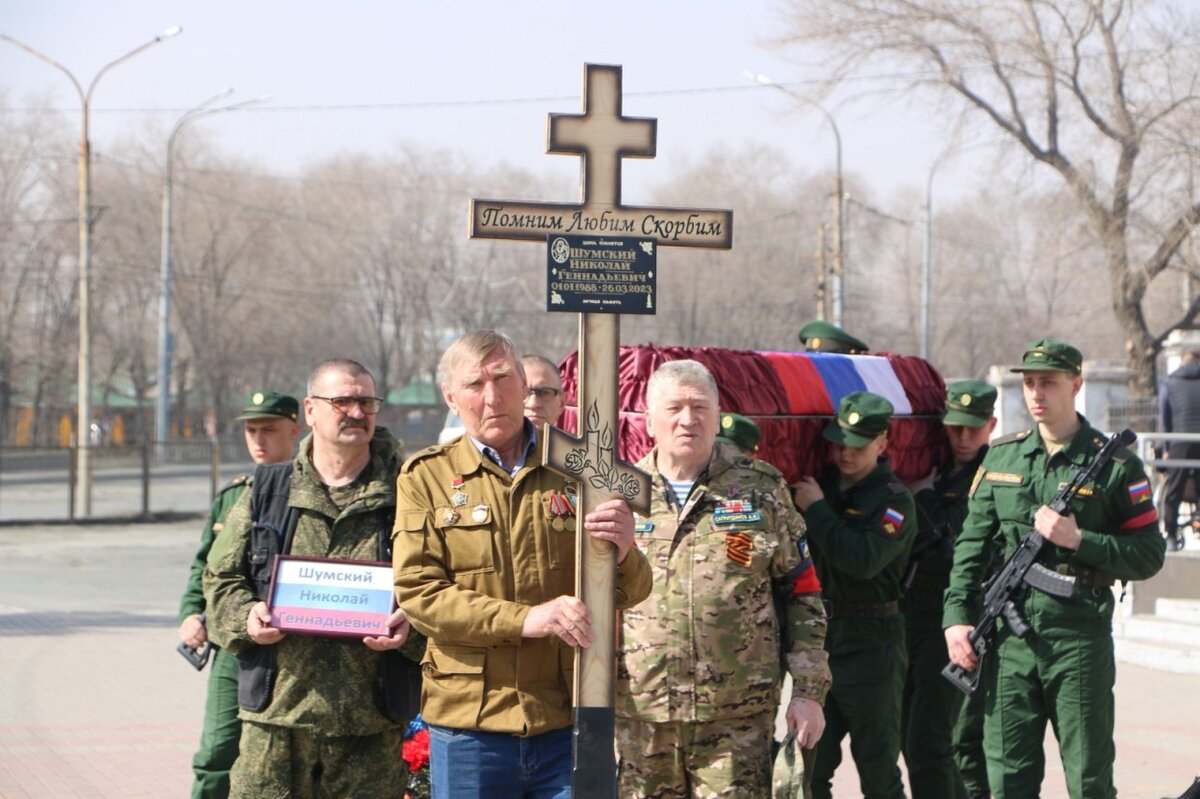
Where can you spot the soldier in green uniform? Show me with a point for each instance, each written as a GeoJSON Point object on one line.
{"type": "Point", "coordinates": [271, 430]}
{"type": "Point", "coordinates": [699, 671]}
{"type": "Point", "coordinates": [1063, 670]}
{"type": "Point", "coordinates": [861, 524]}
{"type": "Point", "coordinates": [321, 728]}
{"type": "Point", "coordinates": [931, 704]}
{"type": "Point", "coordinates": [740, 431]}
{"type": "Point", "coordinates": [822, 336]}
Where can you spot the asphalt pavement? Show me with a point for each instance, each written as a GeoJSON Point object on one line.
{"type": "Point", "coordinates": [95, 702]}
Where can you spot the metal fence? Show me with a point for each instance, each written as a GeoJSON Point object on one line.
{"type": "Point", "coordinates": [146, 481]}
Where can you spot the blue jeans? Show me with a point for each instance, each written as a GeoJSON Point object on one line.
{"type": "Point", "coordinates": [468, 764]}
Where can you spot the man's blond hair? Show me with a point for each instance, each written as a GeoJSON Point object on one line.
{"type": "Point", "coordinates": [470, 349]}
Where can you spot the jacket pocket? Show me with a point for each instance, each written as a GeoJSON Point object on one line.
{"type": "Point", "coordinates": [408, 540]}
{"type": "Point", "coordinates": [453, 686]}
{"type": "Point", "coordinates": [468, 543]}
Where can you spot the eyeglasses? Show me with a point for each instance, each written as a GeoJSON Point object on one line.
{"type": "Point", "coordinates": [544, 392]}
{"type": "Point", "coordinates": [369, 405]}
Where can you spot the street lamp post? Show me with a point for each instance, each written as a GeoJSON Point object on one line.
{"type": "Point", "coordinates": [162, 408]}
{"type": "Point", "coordinates": [838, 271]}
{"type": "Point", "coordinates": [84, 376]}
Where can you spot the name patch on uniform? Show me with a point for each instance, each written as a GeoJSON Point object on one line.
{"type": "Point", "coordinates": [1005, 477]}
{"type": "Point", "coordinates": [735, 511]}
{"type": "Point", "coordinates": [1084, 491]}
{"type": "Point", "coordinates": [891, 521]}
{"type": "Point", "coordinates": [738, 546]}
{"type": "Point", "coordinates": [856, 512]}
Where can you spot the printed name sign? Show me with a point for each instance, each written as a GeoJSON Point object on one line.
{"type": "Point", "coordinates": [592, 274]}
{"type": "Point", "coordinates": [321, 596]}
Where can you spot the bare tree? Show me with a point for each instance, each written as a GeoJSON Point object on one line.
{"type": "Point", "coordinates": [1100, 91]}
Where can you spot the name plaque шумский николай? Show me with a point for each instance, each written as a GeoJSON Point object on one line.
{"type": "Point", "coordinates": [600, 274]}
{"type": "Point", "coordinates": [323, 596]}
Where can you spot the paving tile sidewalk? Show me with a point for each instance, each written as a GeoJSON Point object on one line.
{"type": "Point", "coordinates": [95, 702]}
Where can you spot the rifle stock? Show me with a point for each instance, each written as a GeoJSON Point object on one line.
{"type": "Point", "coordinates": [1022, 569]}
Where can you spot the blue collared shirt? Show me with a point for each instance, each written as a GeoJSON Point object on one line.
{"type": "Point", "coordinates": [491, 453]}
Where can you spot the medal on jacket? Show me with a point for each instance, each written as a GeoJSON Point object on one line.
{"type": "Point", "coordinates": [450, 516]}
{"type": "Point", "coordinates": [458, 497]}
{"type": "Point", "coordinates": [479, 514]}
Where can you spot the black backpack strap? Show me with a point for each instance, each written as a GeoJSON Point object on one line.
{"type": "Point", "coordinates": [273, 523]}
{"type": "Point", "coordinates": [272, 526]}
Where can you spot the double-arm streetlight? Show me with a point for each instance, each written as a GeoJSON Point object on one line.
{"type": "Point", "coordinates": [162, 405]}
{"type": "Point", "coordinates": [839, 195]}
{"type": "Point", "coordinates": [84, 378]}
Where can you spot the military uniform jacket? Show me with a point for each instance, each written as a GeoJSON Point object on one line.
{"type": "Point", "coordinates": [1114, 513]}
{"type": "Point", "coordinates": [944, 504]}
{"type": "Point", "coordinates": [192, 601]}
{"type": "Point", "coordinates": [706, 644]}
{"type": "Point", "coordinates": [861, 539]}
{"type": "Point", "coordinates": [474, 550]}
{"type": "Point", "coordinates": [329, 685]}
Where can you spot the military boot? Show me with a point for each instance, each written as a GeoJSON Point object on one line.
{"type": "Point", "coordinates": [1191, 793]}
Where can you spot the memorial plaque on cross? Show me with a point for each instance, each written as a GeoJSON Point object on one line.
{"type": "Point", "coordinates": [601, 136]}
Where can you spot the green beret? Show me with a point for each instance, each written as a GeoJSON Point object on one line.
{"type": "Point", "coordinates": [822, 336]}
{"type": "Point", "coordinates": [969, 403]}
{"type": "Point", "coordinates": [268, 405]}
{"type": "Point", "coordinates": [1049, 355]}
{"type": "Point", "coordinates": [861, 418]}
{"type": "Point", "coordinates": [741, 431]}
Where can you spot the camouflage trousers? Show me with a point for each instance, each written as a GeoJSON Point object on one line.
{"type": "Point", "coordinates": [297, 763]}
{"type": "Point", "coordinates": [724, 758]}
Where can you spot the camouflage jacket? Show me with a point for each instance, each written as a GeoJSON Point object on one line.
{"type": "Point", "coordinates": [474, 550]}
{"type": "Point", "coordinates": [861, 538]}
{"type": "Point", "coordinates": [706, 644]}
{"type": "Point", "coordinates": [326, 684]}
{"type": "Point", "coordinates": [192, 600]}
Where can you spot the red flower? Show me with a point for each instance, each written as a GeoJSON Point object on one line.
{"type": "Point", "coordinates": [416, 751]}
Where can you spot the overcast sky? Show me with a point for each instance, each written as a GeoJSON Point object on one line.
{"type": "Point", "coordinates": [476, 77]}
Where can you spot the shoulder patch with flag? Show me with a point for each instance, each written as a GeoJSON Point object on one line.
{"type": "Point", "coordinates": [1139, 490]}
{"type": "Point", "coordinates": [1141, 512]}
{"type": "Point", "coordinates": [891, 521]}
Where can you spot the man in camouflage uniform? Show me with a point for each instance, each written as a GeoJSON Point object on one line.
{"type": "Point", "coordinates": [699, 667]}
{"type": "Point", "coordinates": [932, 706]}
{"type": "Point", "coordinates": [861, 524]}
{"type": "Point", "coordinates": [323, 731]}
{"type": "Point", "coordinates": [484, 555]}
{"type": "Point", "coordinates": [1063, 670]}
{"type": "Point", "coordinates": [271, 431]}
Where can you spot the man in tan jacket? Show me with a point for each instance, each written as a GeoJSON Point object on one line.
{"type": "Point", "coordinates": [484, 553]}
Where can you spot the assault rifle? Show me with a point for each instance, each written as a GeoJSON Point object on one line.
{"type": "Point", "coordinates": [1022, 569]}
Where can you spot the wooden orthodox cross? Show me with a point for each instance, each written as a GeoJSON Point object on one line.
{"type": "Point", "coordinates": [602, 136]}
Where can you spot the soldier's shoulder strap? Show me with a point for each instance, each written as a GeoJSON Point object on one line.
{"type": "Point", "coordinates": [420, 455]}
{"type": "Point", "coordinates": [240, 480]}
{"type": "Point", "coordinates": [760, 466]}
{"type": "Point", "coordinates": [1012, 438]}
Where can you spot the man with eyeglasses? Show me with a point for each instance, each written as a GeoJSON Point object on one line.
{"type": "Point", "coordinates": [320, 729]}
{"type": "Point", "coordinates": [485, 565]}
{"type": "Point", "coordinates": [544, 402]}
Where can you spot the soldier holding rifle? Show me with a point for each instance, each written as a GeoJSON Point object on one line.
{"type": "Point", "coordinates": [1062, 668]}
